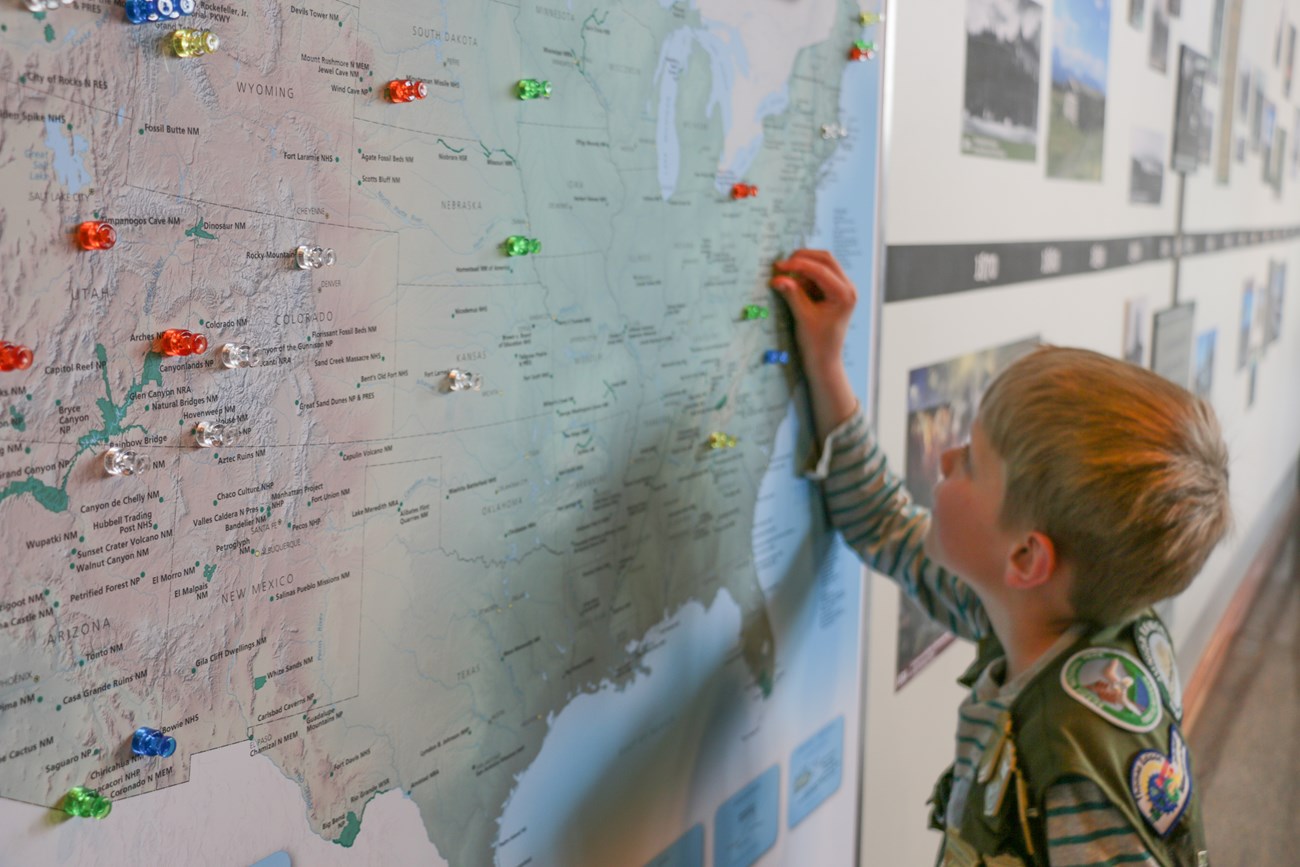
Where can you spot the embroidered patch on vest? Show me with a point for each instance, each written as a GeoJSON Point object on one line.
{"type": "Point", "coordinates": [1162, 785]}
{"type": "Point", "coordinates": [1157, 651]}
{"type": "Point", "coordinates": [1114, 685]}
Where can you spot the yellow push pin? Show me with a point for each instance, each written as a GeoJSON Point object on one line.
{"type": "Point", "coordinates": [194, 43]}
{"type": "Point", "coordinates": [721, 441]}
{"type": "Point", "coordinates": [869, 18]}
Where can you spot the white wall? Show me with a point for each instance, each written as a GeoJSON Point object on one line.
{"type": "Point", "coordinates": [935, 195]}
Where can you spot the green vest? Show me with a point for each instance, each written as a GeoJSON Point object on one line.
{"type": "Point", "coordinates": [1050, 734]}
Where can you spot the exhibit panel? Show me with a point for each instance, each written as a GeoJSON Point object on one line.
{"type": "Point", "coordinates": [1054, 173]}
{"type": "Point", "coordinates": [402, 452]}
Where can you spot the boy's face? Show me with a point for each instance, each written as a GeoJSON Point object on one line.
{"type": "Point", "coordinates": [965, 535]}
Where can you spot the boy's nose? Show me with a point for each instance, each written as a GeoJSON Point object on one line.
{"type": "Point", "coordinates": [946, 460]}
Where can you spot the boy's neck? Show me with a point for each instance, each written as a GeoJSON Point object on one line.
{"type": "Point", "coordinates": [1025, 643]}
{"type": "Point", "coordinates": [1027, 628]}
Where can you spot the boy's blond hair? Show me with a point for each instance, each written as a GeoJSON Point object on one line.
{"type": "Point", "coordinates": [1124, 471]}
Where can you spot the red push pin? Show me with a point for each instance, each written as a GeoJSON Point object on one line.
{"type": "Point", "coordinates": [96, 235]}
{"type": "Point", "coordinates": [175, 341]}
{"type": "Point", "coordinates": [743, 191]}
{"type": "Point", "coordinates": [407, 90]}
{"type": "Point", "coordinates": [14, 357]}
{"type": "Point", "coordinates": [862, 50]}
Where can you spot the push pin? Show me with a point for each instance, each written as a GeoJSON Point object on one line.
{"type": "Point", "coordinates": [743, 191]}
{"type": "Point", "coordinates": [866, 19]}
{"type": "Point", "coordinates": [463, 380]}
{"type": "Point", "coordinates": [833, 131]}
{"type": "Point", "coordinates": [406, 90]}
{"type": "Point", "coordinates": [194, 43]}
{"type": "Point", "coordinates": [96, 235]}
{"type": "Point", "coordinates": [310, 258]}
{"type": "Point", "coordinates": [14, 357]}
{"type": "Point", "coordinates": [123, 462]}
{"type": "Point", "coordinates": [86, 803]}
{"type": "Point", "coordinates": [862, 50]}
{"type": "Point", "coordinates": [239, 355]}
{"type": "Point", "coordinates": [211, 434]}
{"type": "Point", "coordinates": [754, 311]}
{"type": "Point", "coordinates": [151, 742]}
{"type": "Point", "coordinates": [518, 245]}
{"type": "Point", "coordinates": [45, 5]}
{"type": "Point", "coordinates": [145, 11]}
{"type": "Point", "coordinates": [531, 88]}
{"type": "Point", "coordinates": [177, 341]}
{"type": "Point", "coordinates": [776, 356]}
{"type": "Point", "coordinates": [721, 441]}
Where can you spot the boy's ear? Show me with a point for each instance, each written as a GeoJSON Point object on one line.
{"type": "Point", "coordinates": [1032, 562]}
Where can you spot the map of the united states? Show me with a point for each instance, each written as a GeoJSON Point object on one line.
{"type": "Point", "coordinates": [383, 583]}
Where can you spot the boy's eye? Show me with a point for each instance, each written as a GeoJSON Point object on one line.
{"type": "Point", "coordinates": [965, 457]}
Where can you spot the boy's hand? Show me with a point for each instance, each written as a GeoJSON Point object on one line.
{"type": "Point", "coordinates": [821, 298]}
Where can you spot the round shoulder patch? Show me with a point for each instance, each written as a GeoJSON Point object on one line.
{"type": "Point", "coordinates": [1114, 685]}
{"type": "Point", "coordinates": [1157, 650]}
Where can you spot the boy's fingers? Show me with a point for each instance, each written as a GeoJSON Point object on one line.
{"type": "Point", "coordinates": [788, 288]}
{"type": "Point", "coordinates": [834, 286]}
{"type": "Point", "coordinates": [825, 257]}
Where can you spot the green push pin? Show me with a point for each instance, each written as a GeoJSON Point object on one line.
{"type": "Point", "coordinates": [518, 245]}
{"type": "Point", "coordinates": [754, 311]}
{"type": "Point", "coordinates": [531, 88]}
{"type": "Point", "coordinates": [86, 803]}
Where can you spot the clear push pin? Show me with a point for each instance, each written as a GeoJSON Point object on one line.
{"type": "Point", "coordinates": [463, 380]}
{"type": "Point", "coordinates": [211, 434]}
{"type": "Point", "coordinates": [123, 462]}
{"type": "Point", "coordinates": [831, 131]}
{"type": "Point", "coordinates": [239, 355]}
{"type": "Point", "coordinates": [310, 258]}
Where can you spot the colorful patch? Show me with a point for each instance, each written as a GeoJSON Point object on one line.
{"type": "Point", "coordinates": [1157, 651]}
{"type": "Point", "coordinates": [1162, 785]}
{"type": "Point", "coordinates": [1114, 685]}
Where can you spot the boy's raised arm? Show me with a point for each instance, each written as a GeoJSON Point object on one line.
{"type": "Point", "coordinates": [866, 502]}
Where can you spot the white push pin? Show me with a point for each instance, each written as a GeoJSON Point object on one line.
{"type": "Point", "coordinates": [123, 462]}
{"type": "Point", "coordinates": [310, 258]}
{"type": "Point", "coordinates": [833, 131]}
{"type": "Point", "coordinates": [45, 5]}
{"type": "Point", "coordinates": [210, 434]}
{"type": "Point", "coordinates": [239, 355]}
{"type": "Point", "coordinates": [463, 380]}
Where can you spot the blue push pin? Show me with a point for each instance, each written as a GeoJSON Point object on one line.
{"type": "Point", "coordinates": [151, 742]}
{"type": "Point", "coordinates": [144, 11]}
{"type": "Point", "coordinates": [776, 356]}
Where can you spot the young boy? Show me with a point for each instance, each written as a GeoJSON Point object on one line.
{"type": "Point", "coordinates": [1090, 489]}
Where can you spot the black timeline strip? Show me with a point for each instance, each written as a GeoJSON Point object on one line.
{"type": "Point", "coordinates": [915, 271]}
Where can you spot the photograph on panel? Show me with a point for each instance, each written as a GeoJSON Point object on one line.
{"type": "Point", "coordinates": [942, 401]}
{"type": "Point", "coordinates": [1203, 371]}
{"type": "Point", "coordinates": [1146, 167]}
{"type": "Point", "coordinates": [1158, 53]}
{"type": "Point", "coordinates": [1080, 56]}
{"type": "Point", "coordinates": [1004, 41]}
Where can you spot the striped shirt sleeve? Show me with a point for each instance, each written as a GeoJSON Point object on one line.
{"type": "Point", "coordinates": [1084, 829]}
{"type": "Point", "coordinates": [873, 511]}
